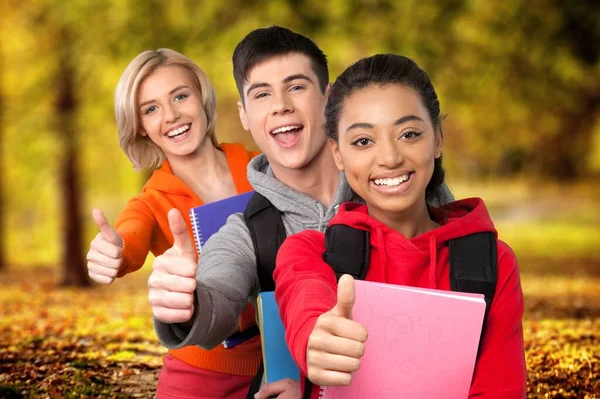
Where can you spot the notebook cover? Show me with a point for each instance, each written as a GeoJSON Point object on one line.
{"type": "Point", "coordinates": [422, 343]}
{"type": "Point", "coordinates": [277, 360]}
{"type": "Point", "coordinates": [207, 219]}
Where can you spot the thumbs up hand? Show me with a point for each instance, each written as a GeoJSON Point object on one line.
{"type": "Point", "coordinates": [173, 279]}
{"type": "Point", "coordinates": [106, 251]}
{"type": "Point", "coordinates": [337, 342]}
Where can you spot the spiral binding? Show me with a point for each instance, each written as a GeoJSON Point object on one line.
{"type": "Point", "coordinates": [196, 231]}
{"type": "Point", "coordinates": [322, 392]}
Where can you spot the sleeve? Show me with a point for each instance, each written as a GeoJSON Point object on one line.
{"type": "Point", "coordinates": [500, 371]}
{"type": "Point", "coordinates": [136, 224]}
{"type": "Point", "coordinates": [226, 278]}
{"type": "Point", "coordinates": [306, 288]}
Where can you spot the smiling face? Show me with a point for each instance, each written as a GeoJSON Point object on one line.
{"type": "Point", "coordinates": [283, 109]}
{"type": "Point", "coordinates": [170, 111]}
{"type": "Point", "coordinates": [387, 146]}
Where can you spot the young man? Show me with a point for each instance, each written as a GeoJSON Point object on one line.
{"type": "Point", "coordinates": [283, 80]}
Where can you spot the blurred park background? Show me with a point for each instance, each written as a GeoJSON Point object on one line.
{"type": "Point", "coordinates": [518, 79]}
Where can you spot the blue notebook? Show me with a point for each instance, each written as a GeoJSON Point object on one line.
{"type": "Point", "coordinates": [277, 360]}
{"type": "Point", "coordinates": [207, 219]}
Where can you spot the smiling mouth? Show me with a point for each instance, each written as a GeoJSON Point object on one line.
{"type": "Point", "coordinates": [287, 136]}
{"type": "Point", "coordinates": [286, 129]}
{"type": "Point", "coordinates": [391, 182]}
{"type": "Point", "coordinates": [179, 131]}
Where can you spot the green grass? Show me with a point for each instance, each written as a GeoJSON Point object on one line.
{"type": "Point", "coordinates": [551, 238]}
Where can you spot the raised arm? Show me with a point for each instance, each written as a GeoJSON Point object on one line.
{"type": "Point", "coordinates": [500, 371]}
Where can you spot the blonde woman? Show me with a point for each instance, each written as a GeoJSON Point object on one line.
{"type": "Point", "coordinates": [166, 110]}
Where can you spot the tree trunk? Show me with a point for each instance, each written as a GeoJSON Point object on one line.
{"type": "Point", "coordinates": [3, 210]}
{"type": "Point", "coordinates": [2, 202]}
{"type": "Point", "coordinates": [73, 258]}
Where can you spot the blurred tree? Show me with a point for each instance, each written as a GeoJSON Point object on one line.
{"type": "Point", "coordinates": [519, 80]}
{"type": "Point", "coordinates": [2, 173]}
{"type": "Point", "coordinates": [73, 261]}
{"type": "Point", "coordinates": [523, 95]}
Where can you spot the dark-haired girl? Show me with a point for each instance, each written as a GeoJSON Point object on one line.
{"type": "Point", "coordinates": [384, 124]}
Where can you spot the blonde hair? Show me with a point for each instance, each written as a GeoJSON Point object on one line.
{"type": "Point", "coordinates": [140, 150]}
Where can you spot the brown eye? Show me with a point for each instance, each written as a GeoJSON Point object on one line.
{"type": "Point", "coordinates": [410, 135]}
{"type": "Point", "coordinates": [361, 142]}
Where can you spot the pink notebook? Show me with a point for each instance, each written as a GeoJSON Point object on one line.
{"type": "Point", "coordinates": [422, 343]}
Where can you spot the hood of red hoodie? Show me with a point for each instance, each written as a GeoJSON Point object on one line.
{"type": "Point", "coordinates": [402, 260]}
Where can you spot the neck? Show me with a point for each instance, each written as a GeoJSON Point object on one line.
{"type": "Point", "coordinates": [410, 222]}
{"type": "Point", "coordinates": [206, 166]}
{"type": "Point", "coordinates": [318, 179]}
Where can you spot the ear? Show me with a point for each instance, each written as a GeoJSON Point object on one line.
{"type": "Point", "coordinates": [438, 144]}
{"type": "Point", "coordinates": [243, 116]}
{"type": "Point", "coordinates": [143, 133]}
{"type": "Point", "coordinates": [337, 157]}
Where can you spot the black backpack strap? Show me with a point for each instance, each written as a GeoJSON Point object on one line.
{"type": "Point", "coordinates": [256, 382]}
{"type": "Point", "coordinates": [474, 265]}
{"type": "Point", "coordinates": [268, 233]}
{"type": "Point", "coordinates": [347, 250]}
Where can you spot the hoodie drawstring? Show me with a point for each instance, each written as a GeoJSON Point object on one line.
{"type": "Point", "coordinates": [433, 261]}
{"type": "Point", "coordinates": [383, 252]}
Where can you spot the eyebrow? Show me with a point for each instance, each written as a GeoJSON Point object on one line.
{"type": "Point", "coordinates": [171, 92]}
{"type": "Point", "coordinates": [286, 80]}
{"type": "Point", "coordinates": [404, 119]}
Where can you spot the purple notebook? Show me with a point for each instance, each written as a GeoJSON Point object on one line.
{"type": "Point", "coordinates": [207, 219]}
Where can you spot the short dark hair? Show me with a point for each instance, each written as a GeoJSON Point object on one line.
{"type": "Point", "coordinates": [382, 69]}
{"type": "Point", "coordinates": [264, 43]}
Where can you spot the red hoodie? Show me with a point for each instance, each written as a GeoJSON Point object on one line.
{"type": "Point", "coordinates": [306, 286]}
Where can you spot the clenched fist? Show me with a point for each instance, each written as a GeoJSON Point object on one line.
{"type": "Point", "coordinates": [106, 251]}
{"type": "Point", "coordinates": [337, 342]}
{"type": "Point", "coordinates": [173, 279]}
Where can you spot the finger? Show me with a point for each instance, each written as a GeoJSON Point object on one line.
{"type": "Point", "coordinates": [329, 361]}
{"type": "Point", "coordinates": [102, 259]}
{"type": "Point", "coordinates": [172, 315]}
{"type": "Point", "coordinates": [107, 231]}
{"type": "Point", "coordinates": [101, 279]}
{"type": "Point", "coordinates": [181, 238]}
{"type": "Point", "coordinates": [102, 245]}
{"type": "Point", "coordinates": [274, 388]}
{"type": "Point", "coordinates": [101, 269]}
{"type": "Point", "coordinates": [172, 282]}
{"type": "Point", "coordinates": [170, 300]}
{"type": "Point", "coordinates": [345, 297]}
{"type": "Point", "coordinates": [336, 345]}
{"type": "Point", "coordinates": [175, 265]}
{"type": "Point", "coordinates": [329, 378]}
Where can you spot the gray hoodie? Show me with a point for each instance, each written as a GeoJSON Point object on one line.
{"type": "Point", "coordinates": [227, 276]}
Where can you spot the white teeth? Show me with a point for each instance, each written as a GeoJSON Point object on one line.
{"type": "Point", "coordinates": [286, 129]}
{"type": "Point", "coordinates": [391, 182]}
{"type": "Point", "coordinates": [178, 131]}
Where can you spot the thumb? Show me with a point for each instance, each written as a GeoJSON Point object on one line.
{"type": "Point", "coordinates": [107, 231]}
{"type": "Point", "coordinates": [182, 243]}
{"type": "Point", "coordinates": [345, 297]}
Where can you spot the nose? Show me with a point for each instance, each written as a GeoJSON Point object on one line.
{"type": "Point", "coordinates": [171, 113]}
{"type": "Point", "coordinates": [389, 153]}
{"type": "Point", "coordinates": [281, 105]}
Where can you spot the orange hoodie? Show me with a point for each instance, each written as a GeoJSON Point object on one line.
{"type": "Point", "coordinates": [144, 227]}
